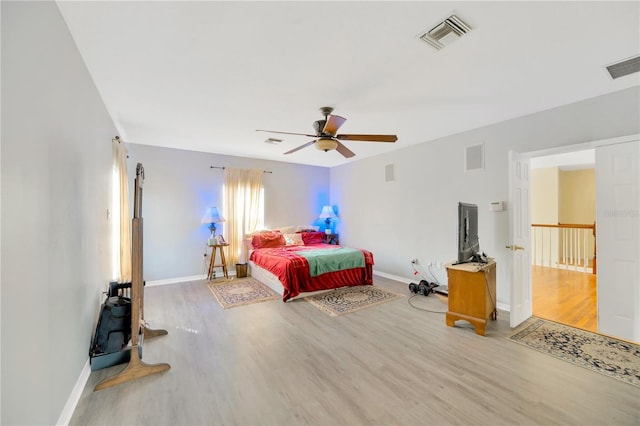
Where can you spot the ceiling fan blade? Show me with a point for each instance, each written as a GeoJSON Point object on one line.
{"type": "Point", "coordinates": [301, 146]}
{"type": "Point", "coordinates": [368, 138]}
{"type": "Point", "coordinates": [333, 124]}
{"type": "Point", "coordinates": [288, 133]}
{"type": "Point", "coordinates": [346, 152]}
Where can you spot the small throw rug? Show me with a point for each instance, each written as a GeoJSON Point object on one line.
{"type": "Point", "coordinates": [346, 300]}
{"type": "Point", "coordinates": [612, 357]}
{"type": "Point", "coordinates": [241, 291]}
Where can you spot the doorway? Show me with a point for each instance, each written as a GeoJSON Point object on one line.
{"type": "Point", "coordinates": [563, 206]}
{"type": "Point", "coordinates": [617, 180]}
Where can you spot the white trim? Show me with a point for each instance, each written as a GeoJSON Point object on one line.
{"type": "Point", "coordinates": [180, 280]}
{"type": "Point", "coordinates": [580, 146]}
{"type": "Point", "coordinates": [175, 280]}
{"type": "Point", "coordinates": [502, 306]}
{"type": "Point", "coordinates": [391, 277]}
{"type": "Point", "coordinates": [564, 149]}
{"type": "Point", "coordinates": [74, 397]}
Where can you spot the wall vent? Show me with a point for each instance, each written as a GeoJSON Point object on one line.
{"type": "Point", "coordinates": [445, 32]}
{"type": "Point", "coordinates": [626, 67]}
{"type": "Point", "coordinates": [474, 157]}
{"type": "Point", "coordinates": [389, 173]}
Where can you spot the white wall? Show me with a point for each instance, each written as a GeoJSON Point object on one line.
{"type": "Point", "coordinates": [415, 216]}
{"type": "Point", "coordinates": [56, 160]}
{"type": "Point", "coordinates": [179, 185]}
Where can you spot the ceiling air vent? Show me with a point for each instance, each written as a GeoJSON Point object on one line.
{"type": "Point", "coordinates": [445, 32]}
{"type": "Point", "coordinates": [626, 67]}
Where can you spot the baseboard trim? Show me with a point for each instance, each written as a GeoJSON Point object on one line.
{"type": "Point", "coordinates": [175, 280]}
{"type": "Point", "coordinates": [391, 276]}
{"type": "Point", "coordinates": [502, 306]}
{"type": "Point", "coordinates": [180, 280]}
{"type": "Point", "coordinates": [74, 397]}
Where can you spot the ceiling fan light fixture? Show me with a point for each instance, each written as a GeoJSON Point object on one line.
{"type": "Point", "coordinates": [326, 144]}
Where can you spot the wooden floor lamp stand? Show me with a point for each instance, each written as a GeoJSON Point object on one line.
{"type": "Point", "coordinates": [134, 370]}
{"type": "Point", "coordinates": [151, 333]}
{"type": "Point", "coordinates": [136, 367]}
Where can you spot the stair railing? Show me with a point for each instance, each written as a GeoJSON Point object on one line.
{"type": "Point", "coordinates": [569, 246]}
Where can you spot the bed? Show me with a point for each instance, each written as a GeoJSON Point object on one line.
{"type": "Point", "coordinates": [301, 262]}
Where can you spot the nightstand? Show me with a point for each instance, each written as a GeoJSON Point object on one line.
{"type": "Point", "coordinates": [215, 248]}
{"type": "Point", "coordinates": [332, 239]}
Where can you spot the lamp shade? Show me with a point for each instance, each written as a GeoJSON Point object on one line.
{"type": "Point", "coordinates": [212, 215]}
{"type": "Point", "coordinates": [327, 213]}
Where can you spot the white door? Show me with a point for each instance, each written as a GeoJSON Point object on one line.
{"type": "Point", "coordinates": [520, 227]}
{"type": "Point", "coordinates": [618, 239]}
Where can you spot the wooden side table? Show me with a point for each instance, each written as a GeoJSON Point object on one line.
{"type": "Point", "coordinates": [472, 294]}
{"type": "Point", "coordinates": [332, 239]}
{"type": "Point", "coordinates": [215, 248]}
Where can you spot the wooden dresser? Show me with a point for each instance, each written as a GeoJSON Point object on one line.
{"type": "Point", "coordinates": [472, 294]}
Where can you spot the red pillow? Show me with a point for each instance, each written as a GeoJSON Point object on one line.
{"type": "Point", "coordinates": [312, 238]}
{"type": "Point", "coordinates": [268, 239]}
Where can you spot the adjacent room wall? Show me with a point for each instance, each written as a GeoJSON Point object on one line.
{"type": "Point", "coordinates": [179, 185]}
{"type": "Point", "coordinates": [544, 195]}
{"type": "Point", "coordinates": [577, 191]}
{"type": "Point", "coordinates": [415, 216]}
{"type": "Point", "coordinates": [56, 189]}
{"type": "Point", "coordinates": [545, 200]}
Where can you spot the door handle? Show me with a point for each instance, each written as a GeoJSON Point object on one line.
{"type": "Point", "coordinates": [515, 247]}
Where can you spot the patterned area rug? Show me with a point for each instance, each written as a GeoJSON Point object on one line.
{"type": "Point", "coordinates": [241, 291]}
{"type": "Point", "coordinates": [346, 300]}
{"type": "Point", "coordinates": [608, 356]}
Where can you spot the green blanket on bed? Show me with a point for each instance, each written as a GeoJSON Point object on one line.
{"type": "Point", "coordinates": [322, 261]}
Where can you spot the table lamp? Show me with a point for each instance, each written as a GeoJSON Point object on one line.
{"type": "Point", "coordinates": [327, 214]}
{"type": "Point", "coordinates": [212, 216]}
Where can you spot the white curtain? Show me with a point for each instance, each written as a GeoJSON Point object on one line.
{"type": "Point", "coordinates": [242, 207]}
{"type": "Point", "coordinates": [122, 229]}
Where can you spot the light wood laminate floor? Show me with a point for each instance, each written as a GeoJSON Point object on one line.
{"type": "Point", "coordinates": [564, 296]}
{"type": "Point", "coordinates": [273, 363]}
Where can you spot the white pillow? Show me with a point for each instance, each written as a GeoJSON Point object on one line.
{"type": "Point", "coordinates": [293, 239]}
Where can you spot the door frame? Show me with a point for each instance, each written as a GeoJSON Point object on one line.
{"type": "Point", "coordinates": [526, 285]}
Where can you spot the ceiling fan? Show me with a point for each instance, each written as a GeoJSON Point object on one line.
{"type": "Point", "coordinates": [327, 139]}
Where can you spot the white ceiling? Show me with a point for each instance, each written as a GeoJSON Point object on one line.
{"type": "Point", "coordinates": [205, 75]}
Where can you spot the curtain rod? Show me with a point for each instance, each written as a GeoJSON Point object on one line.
{"type": "Point", "coordinates": [117, 139]}
{"type": "Point", "coordinates": [218, 167]}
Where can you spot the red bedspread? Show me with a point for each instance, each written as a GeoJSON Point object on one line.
{"type": "Point", "coordinates": [293, 270]}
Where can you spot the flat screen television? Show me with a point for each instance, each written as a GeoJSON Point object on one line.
{"type": "Point", "coordinates": [468, 243]}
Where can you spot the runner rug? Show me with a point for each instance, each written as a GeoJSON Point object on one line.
{"type": "Point", "coordinates": [612, 357]}
{"type": "Point", "coordinates": [346, 300]}
{"type": "Point", "coordinates": [240, 292]}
